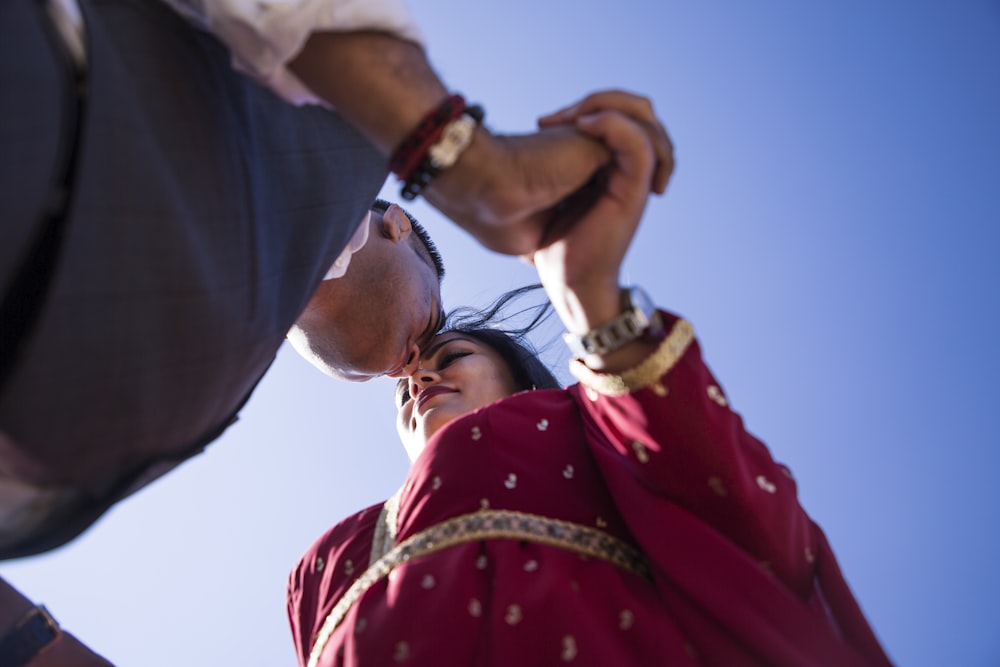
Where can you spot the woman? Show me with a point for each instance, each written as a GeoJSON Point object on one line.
{"type": "Point", "coordinates": [626, 520]}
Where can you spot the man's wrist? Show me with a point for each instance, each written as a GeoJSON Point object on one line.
{"type": "Point", "coordinates": [435, 145]}
{"type": "Point", "coordinates": [465, 192]}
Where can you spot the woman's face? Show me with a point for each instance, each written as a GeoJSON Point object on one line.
{"type": "Point", "coordinates": [456, 375]}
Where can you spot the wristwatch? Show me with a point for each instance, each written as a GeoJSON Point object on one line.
{"type": "Point", "coordinates": [456, 138]}
{"type": "Point", "coordinates": [639, 320]}
{"type": "Point", "coordinates": [32, 635]}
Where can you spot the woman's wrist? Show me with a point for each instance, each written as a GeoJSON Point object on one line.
{"type": "Point", "coordinates": [583, 307]}
{"type": "Point", "coordinates": [639, 365]}
{"type": "Point", "coordinates": [623, 359]}
{"type": "Point", "coordinates": [610, 329]}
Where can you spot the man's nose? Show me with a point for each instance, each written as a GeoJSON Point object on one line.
{"type": "Point", "coordinates": [411, 364]}
{"type": "Point", "coordinates": [412, 361]}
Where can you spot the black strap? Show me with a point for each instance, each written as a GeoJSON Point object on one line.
{"type": "Point", "coordinates": [23, 301]}
{"type": "Point", "coordinates": [30, 636]}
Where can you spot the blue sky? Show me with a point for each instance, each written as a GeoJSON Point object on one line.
{"type": "Point", "coordinates": [831, 231]}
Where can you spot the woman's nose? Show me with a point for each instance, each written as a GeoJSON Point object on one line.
{"type": "Point", "coordinates": [421, 378]}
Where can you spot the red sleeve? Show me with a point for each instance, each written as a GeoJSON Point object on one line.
{"type": "Point", "coordinates": [325, 572]}
{"type": "Point", "coordinates": [680, 438]}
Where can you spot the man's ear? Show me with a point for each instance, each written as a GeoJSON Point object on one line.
{"type": "Point", "coordinates": [395, 224]}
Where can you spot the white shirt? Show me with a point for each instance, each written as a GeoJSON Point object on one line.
{"type": "Point", "coordinates": [263, 36]}
{"type": "Point", "coordinates": [356, 243]}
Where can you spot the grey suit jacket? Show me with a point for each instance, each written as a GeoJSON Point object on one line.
{"type": "Point", "coordinates": [187, 215]}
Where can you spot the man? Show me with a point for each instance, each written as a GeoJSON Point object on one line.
{"type": "Point", "coordinates": [392, 266]}
{"type": "Point", "coordinates": [376, 305]}
{"type": "Point", "coordinates": [166, 221]}
{"type": "Point", "coordinates": [396, 273]}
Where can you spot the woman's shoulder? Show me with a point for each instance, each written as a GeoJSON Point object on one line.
{"type": "Point", "coordinates": [325, 570]}
{"type": "Point", "coordinates": [346, 546]}
{"type": "Point", "coordinates": [358, 527]}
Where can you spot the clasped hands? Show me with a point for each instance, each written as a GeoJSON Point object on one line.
{"type": "Point", "coordinates": [518, 193]}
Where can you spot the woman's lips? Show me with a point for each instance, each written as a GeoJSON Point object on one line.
{"type": "Point", "coordinates": [429, 393]}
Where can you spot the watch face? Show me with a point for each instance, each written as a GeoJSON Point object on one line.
{"type": "Point", "coordinates": [640, 319]}
{"type": "Point", "coordinates": [641, 300]}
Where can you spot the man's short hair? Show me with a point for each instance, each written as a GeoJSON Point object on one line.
{"type": "Point", "coordinates": [381, 205]}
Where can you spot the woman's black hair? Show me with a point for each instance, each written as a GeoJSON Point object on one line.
{"type": "Point", "coordinates": [491, 326]}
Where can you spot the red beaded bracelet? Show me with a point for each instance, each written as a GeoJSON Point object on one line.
{"type": "Point", "coordinates": [439, 132]}
{"type": "Point", "coordinates": [412, 149]}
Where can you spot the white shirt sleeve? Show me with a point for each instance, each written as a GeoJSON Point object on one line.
{"type": "Point", "coordinates": [264, 35]}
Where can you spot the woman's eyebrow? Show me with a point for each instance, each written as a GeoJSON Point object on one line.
{"type": "Point", "coordinates": [435, 346]}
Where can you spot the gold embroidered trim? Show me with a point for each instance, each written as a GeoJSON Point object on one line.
{"type": "Point", "coordinates": [483, 525]}
{"type": "Point", "coordinates": [385, 528]}
{"type": "Point", "coordinates": [643, 375]}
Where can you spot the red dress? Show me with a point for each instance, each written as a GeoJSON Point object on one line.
{"type": "Point", "coordinates": [737, 572]}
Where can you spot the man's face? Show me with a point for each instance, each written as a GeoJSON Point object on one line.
{"type": "Point", "coordinates": [373, 320]}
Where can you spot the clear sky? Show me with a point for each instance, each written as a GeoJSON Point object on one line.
{"type": "Point", "coordinates": [831, 231]}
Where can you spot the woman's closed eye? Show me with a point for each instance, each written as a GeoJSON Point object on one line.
{"type": "Point", "coordinates": [450, 357]}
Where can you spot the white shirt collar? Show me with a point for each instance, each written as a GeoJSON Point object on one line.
{"type": "Point", "coordinates": [356, 243]}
